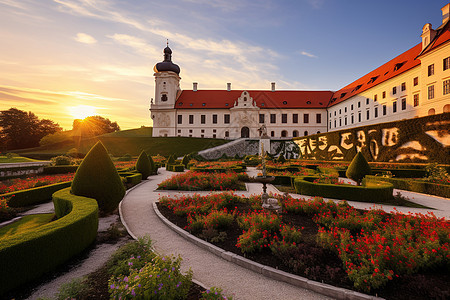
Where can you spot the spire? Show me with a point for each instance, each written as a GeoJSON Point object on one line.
{"type": "Point", "coordinates": [167, 53]}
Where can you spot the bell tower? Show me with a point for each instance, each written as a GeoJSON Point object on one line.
{"type": "Point", "coordinates": [167, 87]}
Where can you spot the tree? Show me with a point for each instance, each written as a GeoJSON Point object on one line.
{"type": "Point", "coordinates": [358, 168]}
{"type": "Point", "coordinates": [143, 165]}
{"type": "Point", "coordinates": [19, 129]}
{"type": "Point", "coordinates": [94, 125]}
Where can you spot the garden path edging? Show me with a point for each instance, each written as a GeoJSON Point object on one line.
{"type": "Point", "coordinates": [298, 281]}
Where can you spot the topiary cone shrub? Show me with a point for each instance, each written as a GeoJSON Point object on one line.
{"type": "Point", "coordinates": [143, 165]}
{"type": "Point", "coordinates": [170, 160]}
{"type": "Point", "coordinates": [153, 166]}
{"type": "Point", "coordinates": [97, 178]}
{"type": "Point", "coordinates": [358, 168]}
{"type": "Point", "coordinates": [185, 160]}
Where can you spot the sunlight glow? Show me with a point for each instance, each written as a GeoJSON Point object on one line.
{"type": "Point", "coordinates": [82, 111]}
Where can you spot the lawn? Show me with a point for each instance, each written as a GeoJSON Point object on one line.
{"type": "Point", "coordinates": [15, 159]}
{"type": "Point", "coordinates": [25, 224]}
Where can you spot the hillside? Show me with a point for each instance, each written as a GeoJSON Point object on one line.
{"type": "Point", "coordinates": [131, 141]}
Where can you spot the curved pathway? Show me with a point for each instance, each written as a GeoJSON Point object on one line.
{"type": "Point", "coordinates": [137, 214]}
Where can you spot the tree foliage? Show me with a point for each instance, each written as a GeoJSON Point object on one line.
{"type": "Point", "coordinates": [20, 129]}
{"type": "Point", "coordinates": [143, 165]}
{"type": "Point", "coordinates": [94, 125]}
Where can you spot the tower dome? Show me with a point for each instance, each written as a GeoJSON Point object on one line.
{"type": "Point", "coordinates": [167, 64]}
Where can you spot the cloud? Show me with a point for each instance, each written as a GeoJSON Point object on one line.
{"type": "Point", "coordinates": [138, 44]}
{"type": "Point", "coordinates": [308, 54]}
{"type": "Point", "coordinates": [13, 3]}
{"type": "Point", "coordinates": [85, 38]}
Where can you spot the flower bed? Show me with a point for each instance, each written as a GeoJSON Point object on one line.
{"type": "Point", "coordinates": [394, 255]}
{"type": "Point", "coordinates": [12, 185]}
{"type": "Point", "coordinates": [197, 181]}
{"type": "Point", "coordinates": [217, 166]}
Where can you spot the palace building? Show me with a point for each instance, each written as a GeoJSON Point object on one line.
{"type": "Point", "coordinates": [416, 83]}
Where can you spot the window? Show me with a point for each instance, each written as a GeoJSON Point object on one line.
{"type": "Point", "coordinates": [345, 120]}
{"type": "Point", "coordinates": [340, 111]}
{"type": "Point", "coordinates": [384, 94]}
{"type": "Point", "coordinates": [190, 130]}
{"type": "Point", "coordinates": [305, 118]}
{"type": "Point", "coordinates": [284, 133]}
{"type": "Point", "coordinates": [431, 70]}
{"type": "Point", "coordinates": [203, 119]}
{"type": "Point", "coordinates": [305, 133]}
{"type": "Point", "coordinates": [202, 136]}
{"type": "Point", "coordinates": [416, 100]}
{"type": "Point", "coordinates": [180, 119]}
{"type": "Point", "coordinates": [273, 118]}
{"type": "Point", "coordinates": [214, 118]}
{"type": "Point", "coordinates": [330, 124]}
{"type": "Point", "coordinates": [367, 114]}
{"type": "Point", "coordinates": [191, 119]}
{"type": "Point", "coordinates": [335, 113]}
{"type": "Point", "coordinates": [261, 118]}
{"type": "Point", "coordinates": [295, 133]}
{"type": "Point", "coordinates": [403, 86]}
{"type": "Point", "coordinates": [359, 116]}
{"type": "Point", "coordinates": [353, 119]}
{"type": "Point", "coordinates": [334, 123]}
{"type": "Point", "coordinates": [403, 103]}
{"type": "Point", "coordinates": [227, 134]}
{"type": "Point", "coordinates": [359, 104]}
{"type": "Point", "coordinates": [446, 63]}
{"type": "Point", "coordinates": [431, 92]}
{"type": "Point", "coordinates": [272, 133]}
{"type": "Point", "coordinates": [376, 112]}
{"type": "Point", "coordinates": [340, 122]}
{"type": "Point", "coordinates": [214, 136]}
{"type": "Point", "coordinates": [351, 107]}
{"type": "Point", "coordinates": [375, 98]}
{"type": "Point", "coordinates": [384, 109]}
{"type": "Point", "coordinates": [295, 118]}
{"type": "Point", "coordinates": [164, 97]}
{"type": "Point", "coordinates": [367, 101]}
{"type": "Point", "coordinates": [416, 81]}
{"type": "Point", "coordinates": [318, 118]}
{"type": "Point", "coordinates": [446, 87]}
{"type": "Point", "coordinates": [394, 106]}
{"type": "Point", "coordinates": [345, 109]}
{"type": "Point", "coordinates": [284, 118]}
{"type": "Point", "coordinates": [226, 118]}
{"type": "Point", "coordinates": [394, 90]}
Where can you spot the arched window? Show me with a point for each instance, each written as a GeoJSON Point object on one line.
{"type": "Point", "coordinates": [284, 133]}
{"type": "Point", "coordinates": [306, 133]}
{"type": "Point", "coordinates": [447, 108]}
{"type": "Point", "coordinates": [431, 111]}
{"type": "Point", "coordinates": [227, 133]}
{"type": "Point", "coordinates": [318, 131]}
{"type": "Point", "coordinates": [245, 132]}
{"type": "Point", "coordinates": [295, 133]}
{"type": "Point", "coordinates": [164, 97]}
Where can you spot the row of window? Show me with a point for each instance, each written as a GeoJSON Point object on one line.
{"type": "Point", "coordinates": [445, 66]}
{"type": "Point", "coordinates": [445, 89]}
{"type": "Point", "coordinates": [273, 118]}
{"type": "Point", "coordinates": [284, 133]}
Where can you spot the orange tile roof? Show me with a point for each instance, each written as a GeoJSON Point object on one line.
{"type": "Point", "coordinates": [264, 99]}
{"type": "Point", "coordinates": [404, 62]}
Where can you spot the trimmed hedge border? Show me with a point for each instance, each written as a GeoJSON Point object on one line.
{"type": "Point", "coordinates": [305, 186]}
{"type": "Point", "coordinates": [60, 169]}
{"type": "Point", "coordinates": [35, 195]}
{"type": "Point", "coordinates": [175, 168]}
{"type": "Point", "coordinates": [440, 190]}
{"type": "Point", "coordinates": [237, 169]}
{"type": "Point", "coordinates": [403, 173]}
{"type": "Point", "coordinates": [28, 256]}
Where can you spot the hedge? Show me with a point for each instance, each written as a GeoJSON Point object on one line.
{"type": "Point", "coordinates": [237, 169]}
{"type": "Point", "coordinates": [283, 180]}
{"type": "Point", "coordinates": [60, 169]}
{"type": "Point", "coordinates": [418, 186]}
{"type": "Point", "coordinates": [377, 194]}
{"type": "Point", "coordinates": [35, 195]}
{"type": "Point", "coordinates": [28, 256]}
{"type": "Point", "coordinates": [403, 173]}
{"type": "Point", "coordinates": [175, 168]}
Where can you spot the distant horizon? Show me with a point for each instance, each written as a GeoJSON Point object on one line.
{"type": "Point", "coordinates": [68, 58]}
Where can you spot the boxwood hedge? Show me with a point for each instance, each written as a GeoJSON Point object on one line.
{"type": "Point", "coordinates": [378, 193]}
{"type": "Point", "coordinates": [35, 195]}
{"type": "Point", "coordinates": [27, 256]}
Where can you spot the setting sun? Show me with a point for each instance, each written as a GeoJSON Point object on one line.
{"type": "Point", "coordinates": [82, 111]}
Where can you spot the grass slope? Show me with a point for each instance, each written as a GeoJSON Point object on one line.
{"type": "Point", "coordinates": [24, 224]}
{"type": "Point", "coordinates": [17, 159]}
{"type": "Point", "coordinates": [131, 141]}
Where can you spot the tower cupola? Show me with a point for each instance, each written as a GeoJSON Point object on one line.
{"type": "Point", "coordinates": [167, 64]}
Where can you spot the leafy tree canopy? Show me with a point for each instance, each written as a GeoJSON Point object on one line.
{"type": "Point", "coordinates": [94, 125]}
{"type": "Point", "coordinates": [20, 129]}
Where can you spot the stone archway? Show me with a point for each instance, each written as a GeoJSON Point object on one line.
{"type": "Point", "coordinates": [245, 132]}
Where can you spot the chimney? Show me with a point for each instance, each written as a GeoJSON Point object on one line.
{"type": "Point", "coordinates": [428, 34]}
{"type": "Point", "coordinates": [228, 86]}
{"type": "Point", "coordinates": [194, 88]}
{"type": "Point", "coordinates": [445, 13]}
{"type": "Point", "coordinates": [273, 86]}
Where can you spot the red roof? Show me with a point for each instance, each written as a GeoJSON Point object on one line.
{"type": "Point", "coordinates": [264, 99]}
{"type": "Point", "coordinates": [442, 36]}
{"type": "Point", "coordinates": [404, 62]}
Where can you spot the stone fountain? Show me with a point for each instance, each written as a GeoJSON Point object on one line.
{"type": "Point", "coordinates": [267, 203]}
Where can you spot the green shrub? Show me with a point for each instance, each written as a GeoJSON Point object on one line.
{"type": "Point", "coordinates": [153, 166]}
{"type": "Point", "coordinates": [61, 160]}
{"type": "Point", "coordinates": [281, 159]}
{"type": "Point", "coordinates": [378, 192]}
{"type": "Point", "coordinates": [185, 160]}
{"type": "Point", "coordinates": [72, 289]}
{"type": "Point", "coordinates": [60, 169]}
{"type": "Point", "coordinates": [402, 173]}
{"type": "Point", "coordinates": [134, 179]}
{"type": "Point", "coordinates": [143, 165]}
{"type": "Point", "coordinates": [358, 168]}
{"type": "Point", "coordinates": [97, 178]}
{"type": "Point", "coordinates": [28, 256]}
{"type": "Point", "coordinates": [175, 168]}
{"type": "Point", "coordinates": [35, 195]}
{"type": "Point", "coordinates": [170, 160]}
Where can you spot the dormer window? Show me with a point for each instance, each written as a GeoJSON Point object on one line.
{"type": "Point", "coordinates": [343, 95]}
{"type": "Point", "coordinates": [357, 88]}
{"type": "Point", "coordinates": [284, 102]}
{"type": "Point", "coordinates": [398, 66]}
{"type": "Point", "coordinates": [372, 79]}
{"type": "Point", "coordinates": [164, 97]}
{"type": "Point", "coordinates": [308, 102]}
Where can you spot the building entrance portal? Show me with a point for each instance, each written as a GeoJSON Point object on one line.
{"type": "Point", "coordinates": [245, 132]}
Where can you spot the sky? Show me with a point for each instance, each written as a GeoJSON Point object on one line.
{"type": "Point", "coordinates": [64, 59]}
